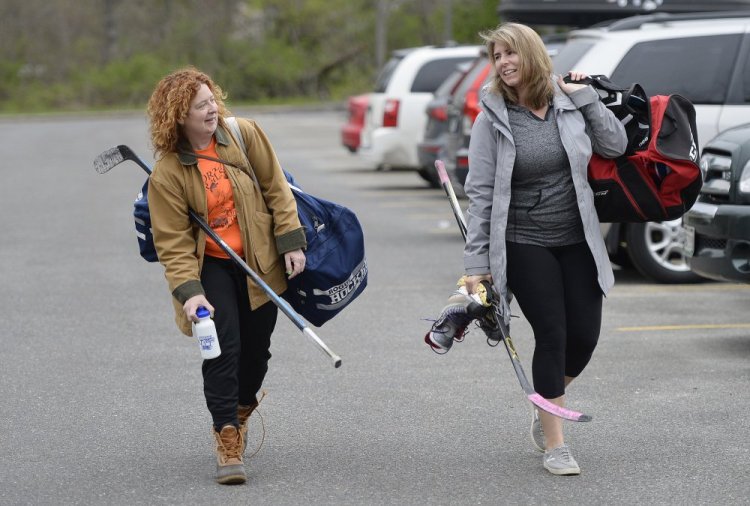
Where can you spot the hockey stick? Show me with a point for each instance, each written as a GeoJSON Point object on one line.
{"type": "Point", "coordinates": [112, 157]}
{"type": "Point", "coordinates": [448, 187]}
{"type": "Point", "coordinates": [536, 399]}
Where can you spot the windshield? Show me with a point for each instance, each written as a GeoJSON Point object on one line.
{"type": "Point", "coordinates": [570, 54]}
{"type": "Point", "coordinates": [385, 74]}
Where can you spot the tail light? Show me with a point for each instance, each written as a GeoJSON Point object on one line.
{"type": "Point", "coordinates": [439, 113]}
{"type": "Point", "coordinates": [471, 107]}
{"type": "Point", "coordinates": [471, 103]}
{"type": "Point", "coordinates": [358, 108]}
{"type": "Point", "coordinates": [390, 113]}
{"type": "Point", "coordinates": [471, 110]}
{"type": "Point", "coordinates": [462, 161]}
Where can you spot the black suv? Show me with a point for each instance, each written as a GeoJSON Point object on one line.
{"type": "Point", "coordinates": [718, 225]}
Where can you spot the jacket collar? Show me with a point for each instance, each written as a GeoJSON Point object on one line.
{"type": "Point", "coordinates": [561, 101]}
{"type": "Point", "coordinates": [185, 151]}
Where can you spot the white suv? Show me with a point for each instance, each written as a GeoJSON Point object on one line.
{"type": "Point", "coordinates": [703, 57]}
{"type": "Point", "coordinates": [396, 119]}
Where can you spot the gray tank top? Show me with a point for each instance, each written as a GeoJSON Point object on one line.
{"type": "Point", "coordinates": [543, 205]}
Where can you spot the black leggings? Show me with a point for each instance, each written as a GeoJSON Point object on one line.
{"type": "Point", "coordinates": [235, 376]}
{"type": "Point", "coordinates": [558, 292]}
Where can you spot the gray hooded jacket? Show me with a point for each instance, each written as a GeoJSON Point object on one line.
{"type": "Point", "coordinates": [585, 126]}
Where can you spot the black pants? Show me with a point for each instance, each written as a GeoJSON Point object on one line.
{"type": "Point", "coordinates": [558, 292]}
{"type": "Point", "coordinates": [235, 376]}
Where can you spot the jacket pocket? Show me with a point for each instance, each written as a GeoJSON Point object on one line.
{"type": "Point", "coordinates": [264, 242]}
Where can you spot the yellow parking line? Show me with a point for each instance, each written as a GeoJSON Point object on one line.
{"type": "Point", "coordinates": [685, 327]}
{"type": "Point", "coordinates": [622, 288]}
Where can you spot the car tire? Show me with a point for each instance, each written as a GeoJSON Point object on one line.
{"type": "Point", "coordinates": [656, 250]}
{"type": "Point", "coordinates": [430, 176]}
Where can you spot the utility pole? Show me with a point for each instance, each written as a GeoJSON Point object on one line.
{"type": "Point", "coordinates": [381, 32]}
{"type": "Point", "coordinates": [110, 32]}
{"type": "Point", "coordinates": [448, 28]}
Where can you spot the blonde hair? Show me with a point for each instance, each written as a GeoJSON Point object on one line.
{"type": "Point", "coordinates": [170, 102]}
{"type": "Point", "coordinates": [534, 67]}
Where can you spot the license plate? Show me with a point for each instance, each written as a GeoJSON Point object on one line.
{"type": "Point", "coordinates": [689, 241]}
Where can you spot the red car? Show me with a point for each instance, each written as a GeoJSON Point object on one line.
{"type": "Point", "coordinates": [350, 132]}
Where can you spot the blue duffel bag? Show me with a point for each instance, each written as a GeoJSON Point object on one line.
{"type": "Point", "coordinates": [335, 265]}
{"type": "Point", "coordinates": [142, 218]}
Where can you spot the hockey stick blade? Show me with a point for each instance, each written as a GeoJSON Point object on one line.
{"type": "Point", "coordinates": [109, 159]}
{"type": "Point", "coordinates": [553, 409]}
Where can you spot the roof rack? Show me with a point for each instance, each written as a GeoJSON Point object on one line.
{"type": "Point", "coordinates": [634, 22]}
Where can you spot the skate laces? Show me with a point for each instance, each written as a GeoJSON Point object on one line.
{"type": "Point", "coordinates": [457, 315]}
{"type": "Point", "coordinates": [428, 338]}
{"type": "Point", "coordinates": [451, 325]}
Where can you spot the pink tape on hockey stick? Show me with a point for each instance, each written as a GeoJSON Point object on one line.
{"type": "Point", "coordinates": [442, 173]}
{"type": "Point", "coordinates": [542, 403]}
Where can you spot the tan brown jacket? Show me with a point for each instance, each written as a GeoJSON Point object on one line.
{"type": "Point", "coordinates": [268, 221]}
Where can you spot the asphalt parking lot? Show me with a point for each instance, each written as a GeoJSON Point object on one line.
{"type": "Point", "coordinates": [102, 395]}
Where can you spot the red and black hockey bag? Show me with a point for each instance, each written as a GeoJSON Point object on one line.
{"type": "Point", "coordinates": [658, 178]}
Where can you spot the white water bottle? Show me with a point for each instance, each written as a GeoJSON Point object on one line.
{"type": "Point", "coordinates": [205, 332]}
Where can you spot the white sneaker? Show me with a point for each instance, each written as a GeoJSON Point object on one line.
{"type": "Point", "coordinates": [559, 461]}
{"type": "Point", "coordinates": [537, 434]}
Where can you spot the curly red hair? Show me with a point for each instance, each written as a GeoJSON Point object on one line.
{"type": "Point", "coordinates": [170, 102]}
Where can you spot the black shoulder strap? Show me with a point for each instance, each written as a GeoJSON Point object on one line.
{"type": "Point", "coordinates": [234, 131]}
{"type": "Point", "coordinates": [629, 104]}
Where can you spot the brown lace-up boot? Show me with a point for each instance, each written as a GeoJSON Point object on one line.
{"type": "Point", "coordinates": [229, 466]}
{"type": "Point", "coordinates": [243, 415]}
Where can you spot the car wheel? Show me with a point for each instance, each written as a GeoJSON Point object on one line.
{"type": "Point", "coordinates": [657, 250]}
{"type": "Point", "coordinates": [430, 176]}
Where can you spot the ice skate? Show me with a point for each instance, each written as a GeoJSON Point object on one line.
{"type": "Point", "coordinates": [454, 318]}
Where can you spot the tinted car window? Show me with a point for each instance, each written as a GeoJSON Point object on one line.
{"type": "Point", "coordinates": [433, 73]}
{"type": "Point", "coordinates": [385, 74]}
{"type": "Point", "coordinates": [698, 68]}
{"type": "Point", "coordinates": [478, 65]}
{"type": "Point", "coordinates": [450, 82]}
{"type": "Point", "coordinates": [746, 80]}
{"type": "Point", "coordinates": [570, 54]}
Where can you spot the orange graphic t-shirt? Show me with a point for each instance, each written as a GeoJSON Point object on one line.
{"type": "Point", "coordinates": [222, 214]}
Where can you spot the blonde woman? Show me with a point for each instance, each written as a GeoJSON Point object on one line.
{"type": "Point", "coordinates": [259, 222]}
{"type": "Point", "coordinates": [532, 226]}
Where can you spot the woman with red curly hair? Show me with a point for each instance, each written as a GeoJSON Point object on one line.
{"type": "Point", "coordinates": [201, 166]}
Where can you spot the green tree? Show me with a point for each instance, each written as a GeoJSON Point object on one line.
{"type": "Point", "coordinates": [104, 53]}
